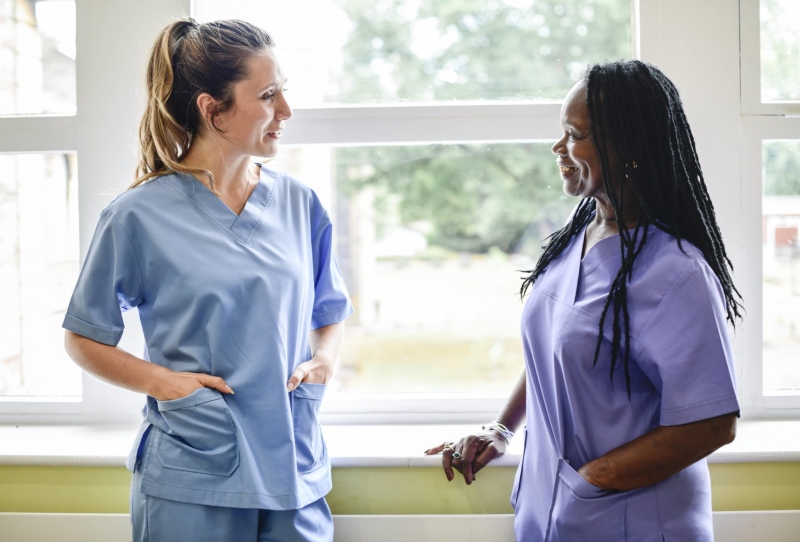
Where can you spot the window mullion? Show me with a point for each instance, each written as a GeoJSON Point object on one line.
{"type": "Point", "coordinates": [424, 124]}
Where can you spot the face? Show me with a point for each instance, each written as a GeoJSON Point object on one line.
{"type": "Point", "coordinates": [255, 123]}
{"type": "Point", "coordinates": [577, 158]}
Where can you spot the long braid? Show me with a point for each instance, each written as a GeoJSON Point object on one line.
{"type": "Point", "coordinates": [636, 112]}
{"type": "Point", "coordinates": [559, 240]}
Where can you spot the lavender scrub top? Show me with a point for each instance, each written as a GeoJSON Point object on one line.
{"type": "Point", "coordinates": [226, 295]}
{"type": "Point", "coordinates": [681, 370]}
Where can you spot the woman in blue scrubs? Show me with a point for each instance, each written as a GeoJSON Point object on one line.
{"type": "Point", "coordinates": [629, 380]}
{"type": "Point", "coordinates": [231, 268]}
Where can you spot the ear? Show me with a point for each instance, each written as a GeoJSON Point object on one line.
{"type": "Point", "coordinates": [206, 106]}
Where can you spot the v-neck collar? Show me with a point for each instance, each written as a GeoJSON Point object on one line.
{"type": "Point", "coordinates": [598, 252]}
{"type": "Point", "coordinates": [580, 267]}
{"type": "Point", "coordinates": [241, 226]}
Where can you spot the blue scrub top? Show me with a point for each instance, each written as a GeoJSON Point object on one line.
{"type": "Point", "coordinates": [226, 295]}
{"type": "Point", "coordinates": [681, 369]}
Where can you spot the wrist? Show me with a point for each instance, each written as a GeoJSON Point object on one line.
{"type": "Point", "coordinates": [156, 380]}
{"type": "Point", "coordinates": [599, 472]}
{"type": "Point", "coordinates": [323, 359]}
{"type": "Point", "coordinates": [500, 429]}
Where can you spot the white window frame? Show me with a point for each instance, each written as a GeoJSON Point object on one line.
{"type": "Point", "coordinates": [760, 121]}
{"type": "Point", "coordinates": [109, 76]}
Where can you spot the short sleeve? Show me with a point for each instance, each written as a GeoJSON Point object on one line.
{"type": "Point", "coordinates": [685, 351]}
{"type": "Point", "coordinates": [331, 301]}
{"type": "Point", "coordinates": [110, 282]}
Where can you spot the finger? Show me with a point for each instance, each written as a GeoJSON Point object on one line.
{"type": "Point", "coordinates": [466, 459]}
{"type": "Point", "coordinates": [488, 454]}
{"type": "Point", "coordinates": [447, 463]}
{"type": "Point", "coordinates": [297, 376]}
{"type": "Point", "coordinates": [467, 455]}
{"type": "Point", "coordinates": [215, 382]}
{"type": "Point", "coordinates": [435, 450]}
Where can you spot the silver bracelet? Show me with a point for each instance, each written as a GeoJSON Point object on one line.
{"type": "Point", "coordinates": [504, 431]}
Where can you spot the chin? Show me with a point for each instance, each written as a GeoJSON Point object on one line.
{"type": "Point", "coordinates": [572, 191]}
{"type": "Point", "coordinates": [266, 152]}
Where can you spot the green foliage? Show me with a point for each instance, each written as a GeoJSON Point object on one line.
{"type": "Point", "coordinates": [781, 161]}
{"type": "Point", "coordinates": [780, 50]}
{"type": "Point", "coordinates": [402, 50]}
{"type": "Point", "coordinates": [472, 197]}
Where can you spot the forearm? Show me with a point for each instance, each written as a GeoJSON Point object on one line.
{"type": "Point", "coordinates": [657, 455]}
{"type": "Point", "coordinates": [513, 413]}
{"type": "Point", "coordinates": [326, 342]}
{"type": "Point", "coordinates": [113, 364]}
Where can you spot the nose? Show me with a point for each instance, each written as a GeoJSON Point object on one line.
{"type": "Point", "coordinates": [282, 109]}
{"type": "Point", "coordinates": [558, 147]}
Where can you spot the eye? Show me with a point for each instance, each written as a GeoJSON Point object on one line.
{"type": "Point", "coordinates": [268, 97]}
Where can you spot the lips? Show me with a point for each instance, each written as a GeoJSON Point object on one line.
{"type": "Point", "coordinates": [275, 135]}
{"type": "Point", "coordinates": [567, 169]}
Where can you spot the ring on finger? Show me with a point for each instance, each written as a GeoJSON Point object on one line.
{"type": "Point", "coordinates": [456, 455]}
{"type": "Point", "coordinates": [448, 446]}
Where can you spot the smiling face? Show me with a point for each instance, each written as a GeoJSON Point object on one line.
{"type": "Point", "coordinates": [576, 155]}
{"type": "Point", "coordinates": [255, 123]}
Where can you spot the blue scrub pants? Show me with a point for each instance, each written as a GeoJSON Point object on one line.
{"type": "Point", "coordinates": [161, 520]}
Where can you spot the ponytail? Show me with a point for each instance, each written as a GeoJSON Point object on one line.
{"type": "Point", "coordinates": [186, 60]}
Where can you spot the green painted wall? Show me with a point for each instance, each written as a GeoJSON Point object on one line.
{"type": "Point", "coordinates": [741, 486]}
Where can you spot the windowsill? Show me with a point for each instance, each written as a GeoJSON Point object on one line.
{"type": "Point", "coordinates": [350, 445]}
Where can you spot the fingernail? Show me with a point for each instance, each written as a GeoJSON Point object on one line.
{"type": "Point", "coordinates": [426, 451]}
{"type": "Point", "coordinates": [230, 390]}
{"type": "Point", "coordinates": [290, 386]}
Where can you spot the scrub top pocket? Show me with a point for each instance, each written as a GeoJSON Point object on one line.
{"type": "Point", "coordinates": [306, 400]}
{"type": "Point", "coordinates": [582, 511]}
{"type": "Point", "coordinates": [201, 436]}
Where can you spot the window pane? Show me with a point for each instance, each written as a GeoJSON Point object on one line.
{"type": "Point", "coordinates": [37, 57]}
{"type": "Point", "coordinates": [431, 239]}
{"type": "Point", "coordinates": [384, 51]}
{"type": "Point", "coordinates": [38, 270]}
{"type": "Point", "coordinates": [780, 50]}
{"type": "Point", "coordinates": [781, 209]}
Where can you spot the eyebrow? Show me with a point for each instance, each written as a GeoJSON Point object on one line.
{"type": "Point", "coordinates": [271, 85]}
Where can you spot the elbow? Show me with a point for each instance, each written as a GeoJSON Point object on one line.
{"type": "Point", "coordinates": [731, 433]}
{"type": "Point", "coordinates": [72, 344]}
{"type": "Point", "coordinates": [68, 341]}
{"type": "Point", "coordinates": [726, 429]}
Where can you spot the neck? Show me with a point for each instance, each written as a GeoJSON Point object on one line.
{"type": "Point", "coordinates": [229, 168]}
{"type": "Point", "coordinates": [605, 218]}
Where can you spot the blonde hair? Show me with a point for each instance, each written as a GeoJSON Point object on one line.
{"type": "Point", "coordinates": [186, 60]}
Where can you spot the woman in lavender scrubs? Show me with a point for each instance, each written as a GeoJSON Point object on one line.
{"type": "Point", "coordinates": [629, 380]}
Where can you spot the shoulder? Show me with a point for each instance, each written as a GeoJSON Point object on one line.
{"type": "Point", "coordinates": [143, 198]}
{"type": "Point", "coordinates": [666, 268]}
{"type": "Point", "coordinates": [287, 183]}
{"type": "Point", "coordinates": [666, 260]}
{"type": "Point", "coordinates": [295, 192]}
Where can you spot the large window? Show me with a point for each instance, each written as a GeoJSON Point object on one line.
{"type": "Point", "coordinates": [425, 126]}
{"type": "Point", "coordinates": [781, 209]}
{"type": "Point", "coordinates": [38, 269]}
{"type": "Point", "coordinates": [433, 238]}
{"type": "Point", "coordinates": [386, 51]}
{"type": "Point", "coordinates": [771, 157]}
{"type": "Point", "coordinates": [39, 253]}
{"type": "Point", "coordinates": [780, 50]}
{"type": "Point", "coordinates": [37, 57]}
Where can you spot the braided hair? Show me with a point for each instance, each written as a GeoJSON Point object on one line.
{"type": "Point", "coordinates": [636, 111]}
